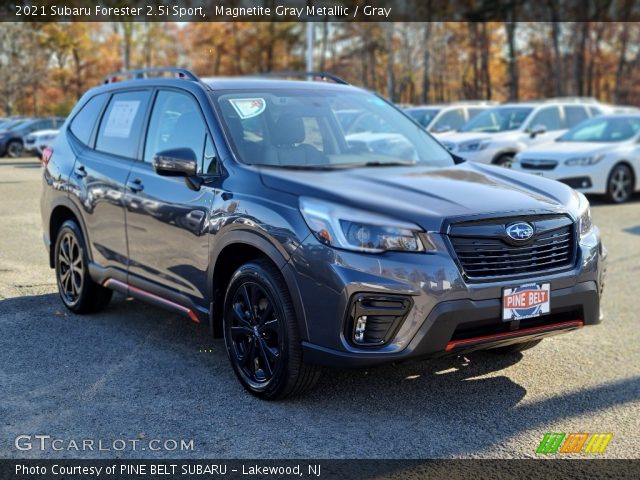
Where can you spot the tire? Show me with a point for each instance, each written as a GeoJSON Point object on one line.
{"type": "Point", "coordinates": [77, 290]}
{"type": "Point", "coordinates": [505, 160]}
{"type": "Point", "coordinates": [516, 347]}
{"type": "Point", "coordinates": [261, 334]}
{"type": "Point", "coordinates": [620, 184]}
{"type": "Point", "coordinates": [15, 149]}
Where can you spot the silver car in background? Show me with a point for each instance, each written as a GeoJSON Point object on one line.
{"type": "Point", "coordinates": [600, 156]}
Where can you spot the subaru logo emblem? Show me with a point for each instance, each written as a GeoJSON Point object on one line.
{"type": "Point", "coordinates": [520, 231]}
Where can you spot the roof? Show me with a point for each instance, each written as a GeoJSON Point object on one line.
{"type": "Point", "coordinates": [241, 83]}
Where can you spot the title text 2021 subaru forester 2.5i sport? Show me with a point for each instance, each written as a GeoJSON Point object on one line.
{"type": "Point", "coordinates": [241, 204]}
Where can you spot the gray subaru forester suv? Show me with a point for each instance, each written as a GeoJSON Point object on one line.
{"type": "Point", "coordinates": [308, 223]}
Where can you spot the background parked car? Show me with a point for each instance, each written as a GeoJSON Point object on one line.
{"type": "Point", "coordinates": [601, 155]}
{"type": "Point", "coordinates": [36, 142]}
{"type": "Point", "coordinates": [496, 135]}
{"type": "Point", "coordinates": [12, 135]}
{"type": "Point", "coordinates": [441, 119]}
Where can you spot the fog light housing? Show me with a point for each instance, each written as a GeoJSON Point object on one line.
{"type": "Point", "coordinates": [361, 326]}
{"type": "Point", "coordinates": [373, 319]}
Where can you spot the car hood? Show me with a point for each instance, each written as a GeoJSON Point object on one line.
{"type": "Point", "coordinates": [428, 196]}
{"type": "Point", "coordinates": [562, 150]}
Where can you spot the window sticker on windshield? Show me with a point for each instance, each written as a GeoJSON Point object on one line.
{"type": "Point", "coordinates": [248, 107]}
{"type": "Point", "coordinates": [121, 118]}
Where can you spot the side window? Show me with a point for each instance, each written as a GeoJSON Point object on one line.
{"type": "Point", "coordinates": [176, 122]}
{"type": "Point", "coordinates": [83, 123]}
{"type": "Point", "coordinates": [549, 117]}
{"type": "Point", "coordinates": [451, 120]}
{"type": "Point", "coordinates": [121, 124]}
{"type": "Point", "coordinates": [574, 115]}
{"type": "Point", "coordinates": [474, 111]}
{"type": "Point", "coordinates": [595, 111]}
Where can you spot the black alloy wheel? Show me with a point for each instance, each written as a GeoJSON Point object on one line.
{"type": "Point", "coordinates": [256, 334]}
{"type": "Point", "coordinates": [261, 334]}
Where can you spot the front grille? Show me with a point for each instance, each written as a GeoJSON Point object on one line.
{"type": "Point", "coordinates": [531, 164]}
{"type": "Point", "coordinates": [484, 250]}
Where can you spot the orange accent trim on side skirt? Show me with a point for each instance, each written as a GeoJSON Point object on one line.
{"type": "Point", "coordinates": [515, 333]}
{"type": "Point", "coordinates": [176, 306]}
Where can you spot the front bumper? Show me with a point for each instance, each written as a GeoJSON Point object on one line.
{"type": "Point", "coordinates": [449, 314]}
{"type": "Point", "coordinates": [448, 329]}
{"type": "Point", "coordinates": [584, 179]}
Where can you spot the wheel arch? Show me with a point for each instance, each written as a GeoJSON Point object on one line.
{"type": "Point", "coordinates": [511, 151]}
{"type": "Point", "coordinates": [61, 211]}
{"type": "Point", "coordinates": [232, 251]}
{"type": "Point", "coordinates": [628, 164]}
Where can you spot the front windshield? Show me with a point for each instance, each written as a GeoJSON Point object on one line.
{"type": "Point", "coordinates": [499, 119]}
{"type": "Point", "coordinates": [424, 116]}
{"type": "Point", "coordinates": [323, 129]}
{"type": "Point", "coordinates": [608, 130]}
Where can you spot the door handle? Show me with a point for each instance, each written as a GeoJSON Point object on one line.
{"type": "Point", "coordinates": [135, 185]}
{"type": "Point", "coordinates": [81, 171]}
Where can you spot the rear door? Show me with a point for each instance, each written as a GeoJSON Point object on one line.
{"type": "Point", "coordinates": [102, 167]}
{"type": "Point", "coordinates": [166, 220]}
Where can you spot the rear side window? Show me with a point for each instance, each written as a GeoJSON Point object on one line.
{"type": "Point", "coordinates": [548, 117]}
{"type": "Point", "coordinates": [574, 115]}
{"type": "Point", "coordinates": [451, 120]}
{"type": "Point", "coordinates": [83, 123]}
{"type": "Point", "coordinates": [121, 124]}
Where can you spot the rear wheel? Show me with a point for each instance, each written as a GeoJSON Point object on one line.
{"type": "Point", "coordinates": [78, 291]}
{"type": "Point", "coordinates": [15, 148]}
{"type": "Point", "coordinates": [516, 347]}
{"type": "Point", "coordinates": [620, 184]}
{"type": "Point", "coordinates": [261, 334]}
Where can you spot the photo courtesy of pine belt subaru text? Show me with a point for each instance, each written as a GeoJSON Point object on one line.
{"type": "Point", "coordinates": [255, 207]}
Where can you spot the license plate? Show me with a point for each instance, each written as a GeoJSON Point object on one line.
{"type": "Point", "coordinates": [526, 301]}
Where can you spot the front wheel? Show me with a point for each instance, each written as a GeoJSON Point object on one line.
{"type": "Point", "coordinates": [261, 334]}
{"type": "Point", "coordinates": [620, 184]}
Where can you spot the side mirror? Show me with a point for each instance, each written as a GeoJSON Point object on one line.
{"type": "Point", "coordinates": [442, 129]}
{"type": "Point", "coordinates": [177, 162]}
{"type": "Point", "coordinates": [537, 130]}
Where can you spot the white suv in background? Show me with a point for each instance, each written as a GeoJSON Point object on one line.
{"type": "Point", "coordinates": [601, 156]}
{"type": "Point", "coordinates": [496, 135]}
{"type": "Point", "coordinates": [442, 119]}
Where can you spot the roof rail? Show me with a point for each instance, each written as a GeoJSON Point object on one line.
{"type": "Point", "coordinates": [322, 76]}
{"type": "Point", "coordinates": [145, 73]}
{"type": "Point", "coordinates": [571, 99]}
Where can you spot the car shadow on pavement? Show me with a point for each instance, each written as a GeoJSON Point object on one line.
{"type": "Point", "coordinates": [135, 358]}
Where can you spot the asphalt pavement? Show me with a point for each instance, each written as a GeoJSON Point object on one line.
{"type": "Point", "coordinates": [139, 375]}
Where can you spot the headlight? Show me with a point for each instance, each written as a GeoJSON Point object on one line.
{"type": "Point", "coordinates": [47, 138]}
{"type": "Point", "coordinates": [583, 161]}
{"type": "Point", "coordinates": [352, 229]}
{"type": "Point", "coordinates": [584, 215]}
{"type": "Point", "coordinates": [474, 146]}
